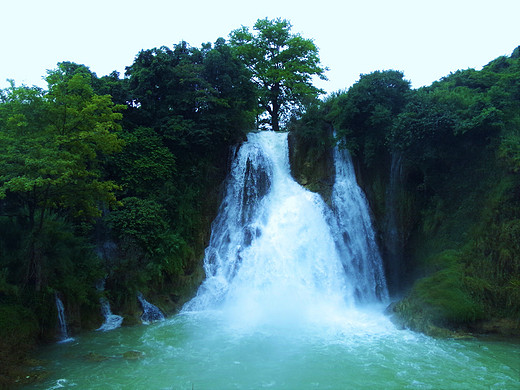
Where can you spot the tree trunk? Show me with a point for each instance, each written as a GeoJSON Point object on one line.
{"type": "Point", "coordinates": [275, 124]}
{"type": "Point", "coordinates": [275, 114]}
{"type": "Point", "coordinates": [33, 276]}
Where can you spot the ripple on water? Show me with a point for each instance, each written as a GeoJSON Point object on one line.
{"type": "Point", "coordinates": [203, 351]}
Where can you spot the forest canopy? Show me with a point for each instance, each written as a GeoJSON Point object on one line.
{"type": "Point", "coordinates": [112, 181]}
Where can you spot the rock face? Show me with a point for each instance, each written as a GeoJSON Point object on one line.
{"type": "Point", "coordinates": [312, 167]}
{"type": "Point", "coordinates": [424, 242]}
{"type": "Point", "coordinates": [506, 327]}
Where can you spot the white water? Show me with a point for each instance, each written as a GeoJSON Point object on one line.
{"type": "Point", "coordinates": [62, 321]}
{"type": "Point", "coordinates": [112, 321]}
{"type": "Point", "coordinates": [151, 312]}
{"type": "Point", "coordinates": [278, 255]}
{"type": "Point", "coordinates": [356, 237]}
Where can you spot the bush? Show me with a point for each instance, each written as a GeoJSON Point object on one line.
{"type": "Point", "coordinates": [18, 334]}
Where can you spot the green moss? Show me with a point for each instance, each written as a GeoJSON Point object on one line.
{"type": "Point", "coordinates": [443, 260]}
{"type": "Point", "coordinates": [447, 298]}
{"type": "Point", "coordinates": [437, 306]}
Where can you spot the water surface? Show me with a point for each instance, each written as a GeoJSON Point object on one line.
{"type": "Point", "coordinates": [208, 351]}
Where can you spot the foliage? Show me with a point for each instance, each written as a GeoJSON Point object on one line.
{"type": "Point", "coordinates": [183, 93]}
{"type": "Point", "coordinates": [52, 149]}
{"type": "Point", "coordinates": [18, 333]}
{"type": "Point", "coordinates": [69, 155]}
{"type": "Point", "coordinates": [135, 164]}
{"type": "Point", "coordinates": [364, 115]}
{"type": "Point", "coordinates": [459, 147]}
{"type": "Point", "coordinates": [462, 135]}
{"type": "Point", "coordinates": [310, 150]}
{"type": "Point", "coordinates": [314, 128]}
{"type": "Point", "coordinates": [146, 164]}
{"type": "Point", "coordinates": [141, 223]}
{"type": "Point", "coordinates": [115, 179]}
{"type": "Point", "coordinates": [510, 151]}
{"type": "Point", "coordinates": [188, 105]}
{"type": "Point", "coordinates": [150, 251]}
{"type": "Point", "coordinates": [282, 65]}
{"type": "Point", "coordinates": [52, 145]}
{"type": "Point", "coordinates": [233, 108]}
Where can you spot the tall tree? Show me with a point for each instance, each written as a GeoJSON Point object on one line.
{"type": "Point", "coordinates": [282, 65]}
{"type": "Point", "coordinates": [52, 147]}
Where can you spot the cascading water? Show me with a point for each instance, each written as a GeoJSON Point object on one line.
{"type": "Point", "coordinates": [393, 241]}
{"type": "Point", "coordinates": [357, 242]}
{"type": "Point", "coordinates": [112, 321]}
{"type": "Point", "coordinates": [62, 321]}
{"type": "Point", "coordinates": [278, 253]}
{"type": "Point", "coordinates": [151, 312]}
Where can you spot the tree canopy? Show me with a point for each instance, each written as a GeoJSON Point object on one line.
{"type": "Point", "coordinates": [115, 180]}
{"type": "Point", "coordinates": [282, 65]}
{"type": "Point", "coordinates": [363, 116]}
{"type": "Point", "coordinates": [52, 148]}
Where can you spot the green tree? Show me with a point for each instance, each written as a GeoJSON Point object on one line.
{"type": "Point", "coordinates": [365, 113]}
{"type": "Point", "coordinates": [145, 165]}
{"type": "Point", "coordinates": [149, 251]}
{"type": "Point", "coordinates": [165, 83]}
{"type": "Point", "coordinates": [52, 148]}
{"type": "Point", "coordinates": [234, 100]}
{"type": "Point", "coordinates": [282, 65]}
{"type": "Point", "coordinates": [196, 99]}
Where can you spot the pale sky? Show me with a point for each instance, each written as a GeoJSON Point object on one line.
{"type": "Point", "coordinates": [425, 39]}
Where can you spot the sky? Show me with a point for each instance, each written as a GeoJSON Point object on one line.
{"type": "Point", "coordinates": [426, 40]}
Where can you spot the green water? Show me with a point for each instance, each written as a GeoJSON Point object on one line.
{"type": "Point", "coordinates": [207, 351]}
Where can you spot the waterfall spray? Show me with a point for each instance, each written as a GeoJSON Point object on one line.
{"type": "Point", "coordinates": [278, 254]}
{"type": "Point", "coordinates": [151, 312]}
{"type": "Point", "coordinates": [112, 321]}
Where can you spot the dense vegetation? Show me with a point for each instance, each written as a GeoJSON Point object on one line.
{"type": "Point", "coordinates": [108, 185]}
{"type": "Point", "coordinates": [113, 181]}
{"type": "Point", "coordinates": [440, 166]}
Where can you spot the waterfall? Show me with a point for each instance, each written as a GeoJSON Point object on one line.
{"type": "Point", "coordinates": [278, 253]}
{"type": "Point", "coordinates": [151, 312]}
{"type": "Point", "coordinates": [62, 321]}
{"type": "Point", "coordinates": [357, 242]}
{"type": "Point", "coordinates": [112, 321]}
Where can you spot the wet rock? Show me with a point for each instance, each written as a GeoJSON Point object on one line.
{"type": "Point", "coordinates": [133, 355]}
